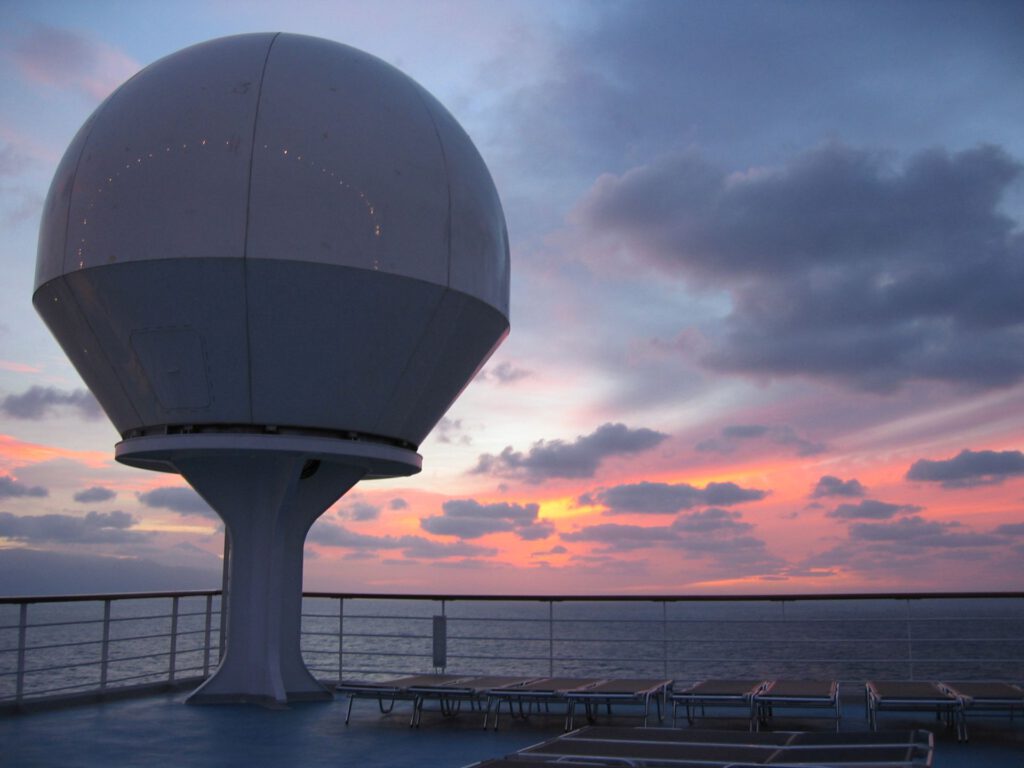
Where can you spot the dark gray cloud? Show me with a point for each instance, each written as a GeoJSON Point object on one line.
{"type": "Point", "coordinates": [451, 431]}
{"type": "Point", "coordinates": [548, 459]}
{"type": "Point", "coordinates": [969, 468]}
{"type": "Point", "coordinates": [712, 533]}
{"type": "Point", "coordinates": [469, 519]}
{"type": "Point", "coordinates": [38, 403]}
{"type": "Point", "coordinates": [94, 528]}
{"type": "Point", "coordinates": [332, 535]}
{"type": "Point", "coordinates": [94, 495]}
{"type": "Point", "coordinates": [12, 489]}
{"type": "Point", "coordinates": [841, 264]}
{"type": "Point", "coordinates": [667, 498]}
{"type": "Point", "coordinates": [426, 549]}
{"type": "Point", "coordinates": [711, 521]}
{"type": "Point", "coordinates": [871, 509]}
{"type": "Point", "coordinates": [184, 501]}
{"type": "Point", "coordinates": [830, 485]}
{"type": "Point", "coordinates": [398, 503]}
{"type": "Point", "coordinates": [916, 532]}
{"type": "Point", "coordinates": [616, 537]}
{"type": "Point", "coordinates": [1010, 529]}
{"type": "Point", "coordinates": [731, 436]}
{"type": "Point", "coordinates": [359, 511]}
{"type": "Point", "coordinates": [644, 77]}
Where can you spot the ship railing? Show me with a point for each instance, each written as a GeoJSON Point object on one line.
{"type": "Point", "coordinates": [56, 648]}
{"type": "Point", "coordinates": [63, 647]}
{"type": "Point", "coordinates": [850, 638]}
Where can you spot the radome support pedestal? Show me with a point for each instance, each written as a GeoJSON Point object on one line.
{"type": "Point", "coordinates": [268, 490]}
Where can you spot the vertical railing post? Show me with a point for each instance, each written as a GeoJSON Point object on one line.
{"type": "Point", "coordinates": [22, 638]}
{"type": "Point", "coordinates": [207, 627]}
{"type": "Point", "coordinates": [341, 639]}
{"type": "Point", "coordinates": [105, 647]}
{"type": "Point", "coordinates": [551, 638]}
{"type": "Point", "coordinates": [173, 656]}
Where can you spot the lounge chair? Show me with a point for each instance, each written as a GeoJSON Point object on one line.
{"type": "Point", "coordinates": [691, 747]}
{"type": "Point", "coordinates": [450, 695]}
{"type": "Point", "coordinates": [913, 696]}
{"type": "Point", "coordinates": [544, 691]}
{"type": "Point", "coordinates": [388, 692]}
{"type": "Point", "coordinates": [802, 694]}
{"type": "Point", "coordinates": [985, 697]}
{"type": "Point", "coordinates": [630, 690]}
{"type": "Point", "coordinates": [718, 693]}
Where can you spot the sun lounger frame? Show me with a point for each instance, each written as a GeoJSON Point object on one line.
{"type": "Point", "coordinates": [718, 694]}
{"type": "Point", "coordinates": [472, 690]}
{"type": "Point", "coordinates": [914, 696]}
{"type": "Point", "coordinates": [605, 746]}
{"type": "Point", "coordinates": [390, 691]}
{"type": "Point", "coordinates": [985, 697]}
{"type": "Point", "coordinates": [620, 691]}
{"type": "Point", "coordinates": [545, 691]}
{"type": "Point", "coordinates": [803, 694]}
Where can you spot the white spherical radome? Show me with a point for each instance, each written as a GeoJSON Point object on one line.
{"type": "Point", "coordinates": [274, 232]}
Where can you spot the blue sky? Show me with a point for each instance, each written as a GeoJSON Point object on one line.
{"type": "Point", "coordinates": [767, 303]}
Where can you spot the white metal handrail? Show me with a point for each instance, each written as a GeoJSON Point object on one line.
{"type": "Point", "coordinates": [42, 655]}
{"type": "Point", "coordinates": [62, 666]}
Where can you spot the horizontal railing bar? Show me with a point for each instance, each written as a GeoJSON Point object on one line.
{"type": "Point", "coordinates": [391, 654]}
{"type": "Point", "coordinates": [121, 659]}
{"type": "Point", "coordinates": [781, 598]}
{"type": "Point", "coordinates": [161, 636]}
{"type": "Point", "coordinates": [100, 597]}
{"type": "Point", "coordinates": [112, 682]}
{"type": "Point", "coordinates": [61, 666]}
{"type": "Point", "coordinates": [79, 644]}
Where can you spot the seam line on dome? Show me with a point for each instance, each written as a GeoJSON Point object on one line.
{"type": "Point", "coordinates": [248, 211]}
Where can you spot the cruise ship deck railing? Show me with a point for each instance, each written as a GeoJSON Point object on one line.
{"type": "Point", "coordinates": [851, 638]}
{"type": "Point", "coordinates": [65, 646]}
{"type": "Point", "coordinates": [58, 647]}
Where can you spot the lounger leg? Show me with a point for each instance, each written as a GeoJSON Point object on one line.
{"type": "Point", "coordinates": [417, 704]}
{"type": "Point", "coordinates": [348, 714]}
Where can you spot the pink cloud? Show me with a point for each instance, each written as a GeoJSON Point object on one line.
{"type": "Point", "coordinates": [60, 58]}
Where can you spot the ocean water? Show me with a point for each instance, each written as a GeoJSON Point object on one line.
{"type": "Point", "coordinates": [373, 639]}
{"type": "Point", "coordinates": [849, 640]}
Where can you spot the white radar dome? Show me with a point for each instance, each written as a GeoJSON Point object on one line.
{"type": "Point", "coordinates": [274, 233]}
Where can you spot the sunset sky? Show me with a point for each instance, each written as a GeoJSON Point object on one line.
{"type": "Point", "coordinates": [767, 304]}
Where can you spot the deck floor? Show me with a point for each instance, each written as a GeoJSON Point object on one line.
{"type": "Point", "coordinates": [162, 730]}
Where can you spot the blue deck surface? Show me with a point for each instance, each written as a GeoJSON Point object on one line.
{"type": "Point", "coordinates": [161, 730]}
